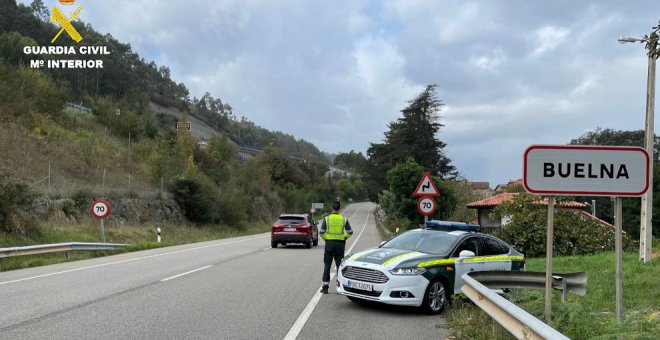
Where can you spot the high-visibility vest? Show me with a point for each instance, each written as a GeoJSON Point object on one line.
{"type": "Point", "coordinates": [334, 224]}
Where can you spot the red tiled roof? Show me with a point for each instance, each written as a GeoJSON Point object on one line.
{"type": "Point", "coordinates": [508, 196]}
{"type": "Point", "coordinates": [492, 201]}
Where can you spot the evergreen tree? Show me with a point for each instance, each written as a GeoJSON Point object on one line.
{"type": "Point", "coordinates": [413, 135]}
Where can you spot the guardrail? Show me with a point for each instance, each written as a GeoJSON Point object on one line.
{"type": "Point", "coordinates": [514, 319]}
{"type": "Point", "coordinates": [57, 247]}
{"type": "Point", "coordinates": [575, 283]}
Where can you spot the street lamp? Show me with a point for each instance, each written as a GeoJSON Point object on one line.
{"type": "Point", "coordinates": [645, 234]}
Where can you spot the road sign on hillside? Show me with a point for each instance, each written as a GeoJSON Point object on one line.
{"type": "Point", "coordinates": [183, 126]}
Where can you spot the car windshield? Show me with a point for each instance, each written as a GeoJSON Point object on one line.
{"type": "Point", "coordinates": [436, 243]}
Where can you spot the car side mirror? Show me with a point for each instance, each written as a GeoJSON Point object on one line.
{"type": "Point", "coordinates": [465, 254]}
{"type": "Point", "coordinates": [381, 244]}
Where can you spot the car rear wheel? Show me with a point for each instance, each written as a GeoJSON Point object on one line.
{"type": "Point", "coordinates": [308, 244]}
{"type": "Point", "coordinates": [273, 244]}
{"type": "Point", "coordinates": [435, 298]}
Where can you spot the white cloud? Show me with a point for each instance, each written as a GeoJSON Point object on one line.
{"type": "Point", "coordinates": [548, 38]}
{"type": "Point", "coordinates": [489, 61]}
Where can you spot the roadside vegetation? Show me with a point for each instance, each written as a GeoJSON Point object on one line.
{"type": "Point", "coordinates": [581, 317]}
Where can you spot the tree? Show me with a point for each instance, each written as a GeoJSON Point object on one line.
{"type": "Point", "coordinates": [631, 206]}
{"type": "Point", "coordinates": [413, 135]}
{"type": "Point", "coordinates": [40, 10]}
{"type": "Point", "coordinates": [8, 11]}
{"type": "Point", "coordinates": [353, 161]}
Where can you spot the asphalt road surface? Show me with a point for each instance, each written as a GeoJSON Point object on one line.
{"type": "Point", "coordinates": [237, 288]}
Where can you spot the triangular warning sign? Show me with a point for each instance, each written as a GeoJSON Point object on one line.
{"type": "Point", "coordinates": [426, 187]}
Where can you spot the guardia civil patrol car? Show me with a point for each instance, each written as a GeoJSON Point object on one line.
{"type": "Point", "coordinates": [423, 267]}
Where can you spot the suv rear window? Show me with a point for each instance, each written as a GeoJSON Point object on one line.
{"type": "Point", "coordinates": [290, 220]}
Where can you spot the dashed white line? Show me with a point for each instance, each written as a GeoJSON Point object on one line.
{"type": "Point", "coordinates": [186, 273]}
{"type": "Point", "coordinates": [307, 312]}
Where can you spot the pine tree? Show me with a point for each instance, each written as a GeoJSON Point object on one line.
{"type": "Point", "coordinates": [415, 135]}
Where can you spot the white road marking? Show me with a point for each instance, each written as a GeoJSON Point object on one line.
{"type": "Point", "coordinates": [266, 248]}
{"type": "Point", "coordinates": [186, 273]}
{"type": "Point", "coordinates": [129, 260]}
{"type": "Point", "coordinates": [307, 312]}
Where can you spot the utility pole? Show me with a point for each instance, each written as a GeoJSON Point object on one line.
{"type": "Point", "coordinates": [646, 226]}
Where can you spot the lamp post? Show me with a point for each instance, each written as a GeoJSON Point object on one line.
{"type": "Point", "coordinates": [645, 232]}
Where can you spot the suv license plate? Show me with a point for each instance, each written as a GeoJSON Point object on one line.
{"type": "Point", "coordinates": [290, 229]}
{"type": "Point", "coordinates": [362, 286]}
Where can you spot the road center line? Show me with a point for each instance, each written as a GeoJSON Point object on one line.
{"type": "Point", "coordinates": [129, 260]}
{"type": "Point", "coordinates": [186, 273]}
{"type": "Point", "coordinates": [307, 312]}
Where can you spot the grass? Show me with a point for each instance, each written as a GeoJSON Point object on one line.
{"type": "Point", "coordinates": [138, 237]}
{"type": "Point", "coordinates": [582, 317]}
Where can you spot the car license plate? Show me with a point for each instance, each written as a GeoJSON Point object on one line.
{"type": "Point", "coordinates": [290, 229]}
{"type": "Point", "coordinates": [361, 285]}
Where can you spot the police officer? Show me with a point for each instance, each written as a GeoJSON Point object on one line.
{"type": "Point", "coordinates": [335, 229]}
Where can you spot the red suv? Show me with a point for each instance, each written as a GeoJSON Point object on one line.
{"type": "Point", "coordinates": [294, 228]}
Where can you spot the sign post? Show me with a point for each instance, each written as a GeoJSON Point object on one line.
{"type": "Point", "coordinates": [548, 258]}
{"type": "Point", "coordinates": [101, 210]}
{"type": "Point", "coordinates": [586, 170]}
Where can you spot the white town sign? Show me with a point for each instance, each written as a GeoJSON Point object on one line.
{"type": "Point", "coordinates": [586, 170]}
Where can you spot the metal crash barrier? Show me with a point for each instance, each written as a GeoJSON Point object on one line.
{"type": "Point", "coordinates": [478, 288]}
{"type": "Point", "coordinates": [57, 247]}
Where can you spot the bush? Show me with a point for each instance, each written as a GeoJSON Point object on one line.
{"type": "Point", "coordinates": [15, 196]}
{"type": "Point", "coordinates": [195, 199]}
{"type": "Point", "coordinates": [83, 198]}
{"type": "Point", "coordinates": [574, 233]}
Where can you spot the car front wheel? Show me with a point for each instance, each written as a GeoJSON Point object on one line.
{"type": "Point", "coordinates": [435, 298]}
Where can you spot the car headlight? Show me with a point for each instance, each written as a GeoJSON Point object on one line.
{"type": "Point", "coordinates": [408, 271]}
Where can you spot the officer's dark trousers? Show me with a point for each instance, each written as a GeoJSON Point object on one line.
{"type": "Point", "coordinates": [334, 249]}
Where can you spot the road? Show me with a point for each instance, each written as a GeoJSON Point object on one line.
{"type": "Point", "coordinates": [237, 288]}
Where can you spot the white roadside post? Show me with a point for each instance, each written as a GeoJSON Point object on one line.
{"type": "Point", "coordinates": [586, 170]}
{"type": "Point", "coordinates": [158, 235]}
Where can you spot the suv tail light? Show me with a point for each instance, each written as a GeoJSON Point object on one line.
{"type": "Point", "coordinates": [278, 227]}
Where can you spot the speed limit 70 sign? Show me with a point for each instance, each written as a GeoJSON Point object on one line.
{"type": "Point", "coordinates": [426, 205]}
{"type": "Point", "coordinates": [100, 209]}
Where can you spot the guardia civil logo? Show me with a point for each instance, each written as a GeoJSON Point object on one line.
{"type": "Point", "coordinates": [65, 23]}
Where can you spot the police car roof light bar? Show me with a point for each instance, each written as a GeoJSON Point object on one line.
{"type": "Point", "coordinates": [435, 224]}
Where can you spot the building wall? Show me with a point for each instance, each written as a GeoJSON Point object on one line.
{"type": "Point", "coordinates": [487, 225]}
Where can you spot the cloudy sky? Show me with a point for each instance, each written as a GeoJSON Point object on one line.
{"type": "Point", "coordinates": [511, 73]}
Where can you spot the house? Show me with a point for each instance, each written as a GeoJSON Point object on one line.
{"type": "Point", "coordinates": [485, 206]}
{"type": "Point", "coordinates": [500, 188]}
{"type": "Point", "coordinates": [481, 188]}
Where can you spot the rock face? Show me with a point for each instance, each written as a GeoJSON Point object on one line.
{"type": "Point", "coordinates": [124, 210]}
